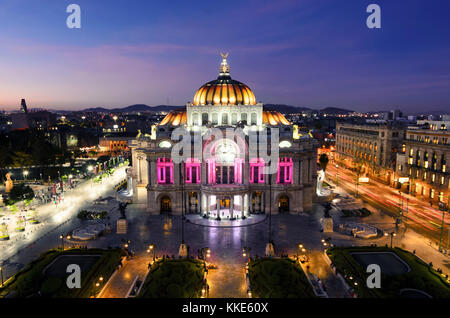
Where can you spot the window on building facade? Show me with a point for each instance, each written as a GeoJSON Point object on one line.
{"type": "Point", "coordinates": [204, 118]}
{"type": "Point", "coordinates": [253, 119]}
{"type": "Point", "coordinates": [285, 170]}
{"type": "Point", "coordinates": [164, 168]}
{"type": "Point", "coordinates": [234, 119]}
{"type": "Point", "coordinates": [195, 119]}
{"type": "Point", "coordinates": [192, 171]}
{"type": "Point", "coordinates": [224, 119]}
{"type": "Point", "coordinates": [256, 170]}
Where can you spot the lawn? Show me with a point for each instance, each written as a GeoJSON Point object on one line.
{"type": "Point", "coordinates": [278, 278]}
{"type": "Point", "coordinates": [421, 276]}
{"type": "Point", "coordinates": [46, 276]}
{"type": "Point", "coordinates": [174, 278]}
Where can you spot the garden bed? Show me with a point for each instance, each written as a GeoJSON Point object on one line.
{"type": "Point", "coordinates": [46, 276]}
{"type": "Point", "coordinates": [395, 278]}
{"type": "Point", "coordinates": [363, 212]}
{"type": "Point", "coordinates": [278, 278]}
{"type": "Point", "coordinates": [174, 278]}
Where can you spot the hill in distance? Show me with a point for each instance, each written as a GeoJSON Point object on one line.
{"type": "Point", "coordinates": [285, 109]}
{"type": "Point", "coordinates": [133, 108]}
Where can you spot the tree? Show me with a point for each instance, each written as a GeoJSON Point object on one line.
{"type": "Point", "coordinates": [18, 193]}
{"type": "Point", "coordinates": [323, 161]}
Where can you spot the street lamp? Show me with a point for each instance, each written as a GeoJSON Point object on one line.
{"type": "Point", "coordinates": [299, 248]}
{"type": "Point", "coordinates": [205, 253]}
{"type": "Point", "coordinates": [400, 205]}
{"type": "Point", "coordinates": [151, 248]}
{"type": "Point", "coordinates": [392, 234]}
{"type": "Point", "coordinates": [444, 209]}
{"type": "Point", "coordinates": [246, 252]}
{"type": "Point", "coordinates": [62, 241]}
{"type": "Point", "coordinates": [25, 174]}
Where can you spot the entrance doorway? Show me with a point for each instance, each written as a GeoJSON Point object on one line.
{"type": "Point", "coordinates": [166, 205]}
{"type": "Point", "coordinates": [225, 203]}
{"type": "Point", "coordinates": [283, 204]}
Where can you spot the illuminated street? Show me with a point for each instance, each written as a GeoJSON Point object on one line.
{"type": "Point", "coordinates": [24, 247]}
{"type": "Point", "coordinates": [417, 213]}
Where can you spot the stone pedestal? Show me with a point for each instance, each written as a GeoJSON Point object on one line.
{"type": "Point", "coordinates": [327, 225]}
{"type": "Point", "coordinates": [183, 251]}
{"type": "Point", "coordinates": [270, 250]}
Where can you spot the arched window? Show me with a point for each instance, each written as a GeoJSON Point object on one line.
{"type": "Point", "coordinates": [204, 118]}
{"type": "Point", "coordinates": [244, 117]}
{"type": "Point", "coordinates": [253, 119]}
{"type": "Point", "coordinates": [194, 119]}
{"type": "Point", "coordinates": [224, 118]}
{"type": "Point", "coordinates": [234, 119]}
{"type": "Point", "coordinates": [215, 119]}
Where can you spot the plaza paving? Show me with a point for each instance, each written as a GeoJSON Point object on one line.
{"type": "Point", "coordinates": [226, 244]}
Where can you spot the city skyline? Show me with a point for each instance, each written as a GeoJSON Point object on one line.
{"type": "Point", "coordinates": [303, 53]}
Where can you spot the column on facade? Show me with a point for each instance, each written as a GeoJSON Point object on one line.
{"type": "Point", "coordinates": [207, 205]}
{"type": "Point", "coordinates": [296, 174]}
{"type": "Point", "coordinates": [139, 171]}
{"type": "Point", "coordinates": [232, 207]}
{"type": "Point", "coordinates": [154, 171]}
{"type": "Point", "coordinates": [150, 172]}
{"type": "Point", "coordinates": [262, 205]}
{"type": "Point", "coordinates": [218, 205]}
{"type": "Point", "coordinates": [302, 171]}
{"type": "Point", "coordinates": [246, 171]}
{"type": "Point", "coordinates": [204, 172]}
{"type": "Point", "coordinates": [250, 207]}
{"type": "Point", "coordinates": [246, 204]}
{"type": "Point", "coordinates": [176, 173]}
{"type": "Point", "coordinates": [242, 206]}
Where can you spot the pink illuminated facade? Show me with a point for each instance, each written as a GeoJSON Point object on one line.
{"type": "Point", "coordinates": [225, 181]}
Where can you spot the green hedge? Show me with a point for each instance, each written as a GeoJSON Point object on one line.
{"type": "Point", "coordinates": [421, 276]}
{"type": "Point", "coordinates": [278, 278]}
{"type": "Point", "coordinates": [31, 280]}
{"type": "Point", "coordinates": [174, 278]}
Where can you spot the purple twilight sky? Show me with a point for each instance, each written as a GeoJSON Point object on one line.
{"type": "Point", "coordinates": [313, 53]}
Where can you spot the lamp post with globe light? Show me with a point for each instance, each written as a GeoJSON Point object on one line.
{"type": "Point", "coordinates": [392, 234]}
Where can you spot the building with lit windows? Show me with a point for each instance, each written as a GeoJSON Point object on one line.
{"type": "Point", "coordinates": [373, 146]}
{"type": "Point", "coordinates": [227, 179]}
{"type": "Point", "coordinates": [424, 166]}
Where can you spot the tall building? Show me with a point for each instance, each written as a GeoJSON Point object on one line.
{"type": "Point", "coordinates": [227, 178]}
{"type": "Point", "coordinates": [374, 146]}
{"type": "Point", "coordinates": [427, 149]}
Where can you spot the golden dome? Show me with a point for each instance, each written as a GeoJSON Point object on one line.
{"type": "Point", "coordinates": [224, 90]}
{"type": "Point", "coordinates": [174, 118]}
{"type": "Point", "coordinates": [274, 118]}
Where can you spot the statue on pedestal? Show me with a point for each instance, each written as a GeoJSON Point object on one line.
{"type": "Point", "coordinates": [8, 183]}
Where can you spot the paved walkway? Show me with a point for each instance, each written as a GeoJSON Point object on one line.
{"type": "Point", "coordinates": [332, 285]}
{"type": "Point", "coordinates": [227, 281]}
{"type": "Point", "coordinates": [122, 281]}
